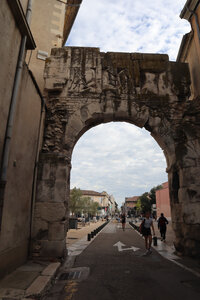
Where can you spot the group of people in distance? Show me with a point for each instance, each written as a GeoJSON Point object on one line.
{"type": "Point", "coordinates": [146, 226]}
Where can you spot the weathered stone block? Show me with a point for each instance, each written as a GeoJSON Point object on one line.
{"type": "Point", "coordinates": [192, 248]}
{"type": "Point", "coordinates": [53, 249]}
{"type": "Point", "coordinates": [39, 226]}
{"type": "Point", "coordinates": [153, 66]}
{"type": "Point", "coordinates": [46, 171]}
{"type": "Point", "coordinates": [190, 194]}
{"type": "Point", "coordinates": [60, 191]}
{"type": "Point", "coordinates": [189, 176]}
{"type": "Point", "coordinates": [61, 172]}
{"type": "Point", "coordinates": [57, 231]}
{"type": "Point", "coordinates": [191, 213]}
{"type": "Point", "coordinates": [44, 191]}
{"type": "Point", "coordinates": [176, 210]}
{"type": "Point", "coordinates": [50, 212]}
{"type": "Point", "coordinates": [191, 231]}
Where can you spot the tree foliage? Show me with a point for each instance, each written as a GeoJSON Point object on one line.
{"type": "Point", "coordinates": [152, 193]}
{"type": "Point", "coordinates": [82, 205]}
{"type": "Point", "coordinates": [75, 203]}
{"type": "Point", "coordinates": [145, 201]}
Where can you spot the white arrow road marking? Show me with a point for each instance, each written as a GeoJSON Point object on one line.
{"type": "Point", "coordinates": [119, 245]}
{"type": "Point", "coordinates": [120, 249]}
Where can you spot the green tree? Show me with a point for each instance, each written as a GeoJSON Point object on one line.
{"type": "Point", "coordinates": [144, 203]}
{"type": "Point", "coordinates": [86, 204]}
{"type": "Point", "coordinates": [79, 204]}
{"type": "Point", "coordinates": [152, 193]}
{"type": "Point", "coordinates": [75, 203]}
{"type": "Point", "coordinates": [138, 206]}
{"type": "Point", "coordinates": [94, 208]}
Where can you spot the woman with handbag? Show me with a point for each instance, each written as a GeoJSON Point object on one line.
{"type": "Point", "coordinates": [145, 229]}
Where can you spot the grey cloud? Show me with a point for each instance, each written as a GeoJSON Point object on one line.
{"type": "Point", "coordinates": [124, 166]}
{"type": "Point", "coordinates": [131, 26]}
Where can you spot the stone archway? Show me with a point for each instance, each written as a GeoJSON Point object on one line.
{"type": "Point", "coordinates": [84, 88]}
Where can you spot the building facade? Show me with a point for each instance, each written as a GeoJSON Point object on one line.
{"type": "Point", "coordinates": [190, 46]}
{"type": "Point", "coordinates": [26, 27]}
{"type": "Point", "coordinates": [130, 204]}
{"type": "Point", "coordinates": [107, 204]}
{"type": "Point", "coordinates": [51, 23]}
{"type": "Point", "coordinates": [163, 201]}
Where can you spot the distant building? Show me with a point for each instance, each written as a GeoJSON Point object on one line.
{"type": "Point", "coordinates": [189, 49]}
{"type": "Point", "coordinates": [107, 204]}
{"type": "Point", "coordinates": [163, 201]}
{"type": "Point", "coordinates": [130, 203]}
{"type": "Point", "coordinates": [113, 205]}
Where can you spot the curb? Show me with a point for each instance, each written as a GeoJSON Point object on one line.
{"type": "Point", "coordinates": [167, 254]}
{"type": "Point", "coordinates": [37, 288]}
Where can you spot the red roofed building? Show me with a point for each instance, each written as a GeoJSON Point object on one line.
{"type": "Point", "coordinates": [130, 203]}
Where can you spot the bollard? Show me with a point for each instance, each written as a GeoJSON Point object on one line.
{"type": "Point", "coordinates": [92, 234]}
{"type": "Point", "coordinates": [155, 241]}
{"type": "Point", "coordinates": [89, 237]}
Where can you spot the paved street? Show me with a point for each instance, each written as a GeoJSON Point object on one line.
{"type": "Point", "coordinates": [107, 270]}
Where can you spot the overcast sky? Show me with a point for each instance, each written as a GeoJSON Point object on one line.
{"type": "Point", "coordinates": [119, 157]}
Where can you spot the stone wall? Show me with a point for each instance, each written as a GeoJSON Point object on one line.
{"type": "Point", "coordinates": [47, 23]}
{"type": "Point", "coordinates": [9, 54]}
{"type": "Point", "coordinates": [17, 209]}
{"type": "Point", "coordinates": [85, 87]}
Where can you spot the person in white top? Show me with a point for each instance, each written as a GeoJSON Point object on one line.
{"type": "Point", "coordinates": [145, 229]}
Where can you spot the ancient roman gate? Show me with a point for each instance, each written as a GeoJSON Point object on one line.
{"type": "Point", "coordinates": [85, 87]}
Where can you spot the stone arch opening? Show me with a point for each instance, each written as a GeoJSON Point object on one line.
{"type": "Point", "coordinates": [127, 148]}
{"type": "Point", "coordinates": [84, 88]}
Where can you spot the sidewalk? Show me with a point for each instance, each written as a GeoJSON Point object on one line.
{"type": "Point", "coordinates": [74, 235]}
{"type": "Point", "coordinates": [168, 251]}
{"type": "Point", "coordinates": [28, 281]}
{"type": "Point", "coordinates": [33, 279]}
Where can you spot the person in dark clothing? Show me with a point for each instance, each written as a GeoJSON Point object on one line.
{"type": "Point", "coordinates": [162, 225]}
{"type": "Point", "coordinates": [123, 220]}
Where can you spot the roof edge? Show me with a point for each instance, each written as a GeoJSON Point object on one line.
{"type": "Point", "coordinates": [186, 40]}
{"type": "Point", "coordinates": [72, 8]}
{"type": "Point", "coordinates": [189, 7]}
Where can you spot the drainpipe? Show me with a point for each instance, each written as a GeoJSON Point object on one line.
{"type": "Point", "coordinates": [13, 102]}
{"type": "Point", "coordinates": [196, 20]}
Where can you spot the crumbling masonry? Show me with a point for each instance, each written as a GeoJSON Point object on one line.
{"type": "Point", "coordinates": [84, 88]}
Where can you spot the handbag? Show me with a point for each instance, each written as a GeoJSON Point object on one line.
{"type": "Point", "coordinates": [142, 228]}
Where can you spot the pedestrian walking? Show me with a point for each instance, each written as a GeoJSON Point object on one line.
{"type": "Point", "coordinates": [162, 226]}
{"type": "Point", "coordinates": [83, 221]}
{"type": "Point", "coordinates": [145, 229]}
{"type": "Point", "coordinates": [123, 220]}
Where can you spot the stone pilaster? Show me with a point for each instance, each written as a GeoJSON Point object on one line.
{"type": "Point", "coordinates": [51, 213]}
